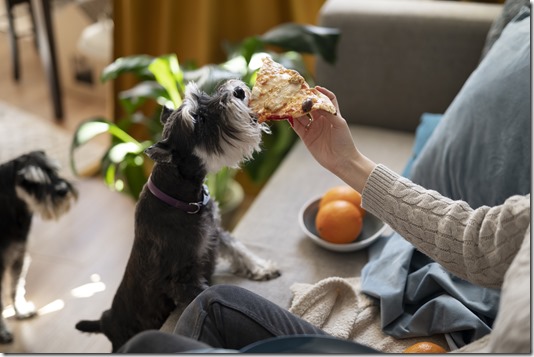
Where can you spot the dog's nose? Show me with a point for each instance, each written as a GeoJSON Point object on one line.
{"type": "Point", "coordinates": [61, 189]}
{"type": "Point", "coordinates": [239, 93]}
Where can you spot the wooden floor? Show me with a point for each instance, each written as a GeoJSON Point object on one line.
{"type": "Point", "coordinates": [77, 262]}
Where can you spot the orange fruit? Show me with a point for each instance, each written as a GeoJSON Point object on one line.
{"type": "Point", "coordinates": [425, 347]}
{"type": "Point", "coordinates": [345, 193]}
{"type": "Point", "coordinates": [339, 222]}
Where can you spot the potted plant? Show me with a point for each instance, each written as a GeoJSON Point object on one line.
{"type": "Point", "coordinates": [162, 81]}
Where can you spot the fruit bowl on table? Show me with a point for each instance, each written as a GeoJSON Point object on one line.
{"type": "Point", "coordinates": [372, 229]}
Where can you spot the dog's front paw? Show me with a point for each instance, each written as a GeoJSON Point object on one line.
{"type": "Point", "coordinates": [6, 336]}
{"type": "Point", "coordinates": [25, 310]}
{"type": "Point", "coordinates": [263, 270]}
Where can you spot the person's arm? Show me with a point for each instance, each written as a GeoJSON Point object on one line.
{"type": "Point", "coordinates": [476, 245]}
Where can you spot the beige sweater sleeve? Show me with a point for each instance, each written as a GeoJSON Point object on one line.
{"type": "Point", "coordinates": [477, 245]}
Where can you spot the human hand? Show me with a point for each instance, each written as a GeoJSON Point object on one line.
{"type": "Point", "coordinates": [328, 138]}
{"type": "Point", "coordinates": [326, 135]}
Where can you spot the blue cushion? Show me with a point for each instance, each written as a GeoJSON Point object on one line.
{"type": "Point", "coordinates": [425, 128]}
{"type": "Point", "coordinates": [481, 150]}
{"type": "Point", "coordinates": [509, 11]}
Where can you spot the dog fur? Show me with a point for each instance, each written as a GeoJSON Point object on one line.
{"type": "Point", "coordinates": [174, 253]}
{"type": "Point", "coordinates": [29, 184]}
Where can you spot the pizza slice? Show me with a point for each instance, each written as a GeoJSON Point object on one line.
{"type": "Point", "coordinates": [280, 93]}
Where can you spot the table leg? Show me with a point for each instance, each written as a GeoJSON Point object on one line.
{"type": "Point", "coordinates": [47, 50]}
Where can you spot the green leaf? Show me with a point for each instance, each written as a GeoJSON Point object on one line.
{"type": "Point", "coordinates": [85, 132]}
{"type": "Point", "coordinates": [92, 128]}
{"type": "Point", "coordinates": [250, 46]}
{"type": "Point", "coordinates": [122, 169]}
{"type": "Point", "coordinates": [209, 77]}
{"type": "Point", "coordinates": [109, 170]}
{"type": "Point", "coordinates": [121, 134]}
{"type": "Point", "coordinates": [169, 75]}
{"type": "Point", "coordinates": [134, 175]}
{"type": "Point", "coordinates": [218, 183]}
{"type": "Point", "coordinates": [133, 98]}
{"type": "Point", "coordinates": [275, 147]}
{"type": "Point", "coordinates": [177, 72]}
{"type": "Point", "coordinates": [146, 89]}
{"type": "Point", "coordinates": [304, 38]}
{"type": "Point", "coordinates": [236, 65]}
{"type": "Point", "coordinates": [137, 64]}
{"type": "Point", "coordinates": [118, 153]}
{"type": "Point", "coordinates": [286, 138]}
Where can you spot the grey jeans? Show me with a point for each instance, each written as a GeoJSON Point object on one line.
{"type": "Point", "coordinates": [222, 317]}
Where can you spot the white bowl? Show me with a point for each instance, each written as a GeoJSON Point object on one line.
{"type": "Point", "coordinates": [371, 230]}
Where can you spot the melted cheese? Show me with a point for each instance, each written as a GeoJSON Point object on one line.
{"type": "Point", "coordinates": [280, 92]}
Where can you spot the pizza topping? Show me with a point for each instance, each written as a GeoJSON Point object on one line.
{"type": "Point", "coordinates": [281, 93]}
{"type": "Point", "coordinates": [307, 105]}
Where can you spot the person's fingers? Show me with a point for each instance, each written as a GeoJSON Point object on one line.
{"type": "Point", "coordinates": [303, 120]}
{"type": "Point", "coordinates": [332, 119]}
{"type": "Point", "coordinates": [316, 114]}
{"type": "Point", "coordinates": [330, 96]}
{"type": "Point", "coordinates": [299, 124]}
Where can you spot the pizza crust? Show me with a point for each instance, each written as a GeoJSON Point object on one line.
{"type": "Point", "coordinates": [281, 93]}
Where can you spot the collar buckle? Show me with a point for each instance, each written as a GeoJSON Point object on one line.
{"type": "Point", "coordinates": [197, 209]}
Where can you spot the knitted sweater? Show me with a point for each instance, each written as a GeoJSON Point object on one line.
{"type": "Point", "coordinates": [488, 246]}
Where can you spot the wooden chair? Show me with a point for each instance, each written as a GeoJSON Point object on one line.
{"type": "Point", "coordinates": [13, 36]}
{"type": "Point", "coordinates": [42, 32]}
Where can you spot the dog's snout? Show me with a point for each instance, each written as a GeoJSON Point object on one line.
{"type": "Point", "coordinates": [61, 189]}
{"type": "Point", "coordinates": [239, 93]}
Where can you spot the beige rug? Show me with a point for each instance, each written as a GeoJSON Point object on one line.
{"type": "Point", "coordinates": [21, 132]}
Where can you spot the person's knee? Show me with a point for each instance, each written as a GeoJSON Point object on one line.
{"type": "Point", "coordinates": [155, 341]}
{"type": "Point", "coordinates": [203, 305]}
{"type": "Point", "coordinates": [220, 292]}
{"type": "Point", "coordinates": [142, 342]}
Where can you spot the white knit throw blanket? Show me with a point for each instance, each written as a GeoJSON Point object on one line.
{"type": "Point", "coordinates": [337, 306]}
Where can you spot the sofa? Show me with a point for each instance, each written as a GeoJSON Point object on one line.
{"type": "Point", "coordinates": [397, 60]}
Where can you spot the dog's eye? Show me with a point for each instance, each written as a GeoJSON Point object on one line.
{"type": "Point", "coordinates": [239, 93]}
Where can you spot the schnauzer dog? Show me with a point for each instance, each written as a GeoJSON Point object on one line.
{"type": "Point", "coordinates": [28, 184]}
{"type": "Point", "coordinates": [177, 226]}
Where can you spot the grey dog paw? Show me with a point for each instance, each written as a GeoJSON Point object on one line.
{"type": "Point", "coordinates": [267, 270]}
{"type": "Point", "coordinates": [6, 336]}
{"type": "Point", "coordinates": [25, 310]}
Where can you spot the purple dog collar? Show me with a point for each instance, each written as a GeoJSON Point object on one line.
{"type": "Point", "coordinates": [191, 208]}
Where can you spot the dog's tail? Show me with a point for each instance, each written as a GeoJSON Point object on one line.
{"type": "Point", "coordinates": [89, 326]}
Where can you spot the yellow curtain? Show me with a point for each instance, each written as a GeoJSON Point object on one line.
{"type": "Point", "coordinates": [195, 30]}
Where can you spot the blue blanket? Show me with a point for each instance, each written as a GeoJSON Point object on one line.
{"type": "Point", "coordinates": [418, 297]}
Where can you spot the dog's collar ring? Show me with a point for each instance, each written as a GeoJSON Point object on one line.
{"type": "Point", "coordinates": [188, 207]}
{"type": "Point", "coordinates": [197, 206]}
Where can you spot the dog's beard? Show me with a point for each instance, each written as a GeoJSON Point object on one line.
{"type": "Point", "coordinates": [48, 207]}
{"type": "Point", "coordinates": [42, 195]}
{"type": "Point", "coordinates": [239, 138]}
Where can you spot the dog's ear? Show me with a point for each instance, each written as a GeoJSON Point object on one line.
{"type": "Point", "coordinates": [159, 152]}
{"type": "Point", "coordinates": [165, 114]}
{"type": "Point", "coordinates": [37, 152]}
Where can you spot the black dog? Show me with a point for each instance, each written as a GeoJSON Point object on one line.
{"type": "Point", "coordinates": [177, 226]}
{"type": "Point", "coordinates": [28, 184]}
